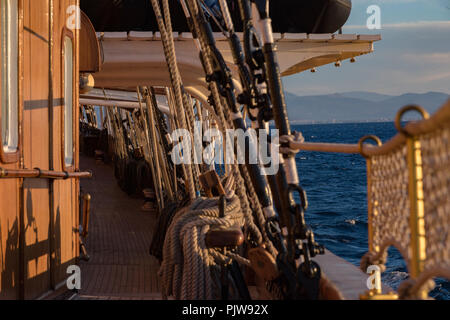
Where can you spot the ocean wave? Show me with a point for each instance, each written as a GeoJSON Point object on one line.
{"type": "Point", "coordinates": [394, 278]}
{"type": "Point", "coordinates": [327, 213]}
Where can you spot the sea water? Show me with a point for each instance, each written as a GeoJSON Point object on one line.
{"type": "Point", "coordinates": [336, 188]}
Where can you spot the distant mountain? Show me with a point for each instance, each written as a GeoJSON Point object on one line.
{"type": "Point", "coordinates": [369, 96]}
{"type": "Point", "coordinates": [357, 106]}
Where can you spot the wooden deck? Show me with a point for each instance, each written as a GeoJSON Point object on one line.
{"type": "Point", "coordinates": [118, 243]}
{"type": "Point", "coordinates": [121, 267]}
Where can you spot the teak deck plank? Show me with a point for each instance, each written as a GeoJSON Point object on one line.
{"type": "Point", "coordinates": [119, 237]}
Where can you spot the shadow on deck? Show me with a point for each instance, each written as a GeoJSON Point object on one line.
{"type": "Point", "coordinates": [119, 238]}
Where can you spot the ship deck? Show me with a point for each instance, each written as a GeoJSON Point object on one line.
{"type": "Point", "coordinates": [118, 242]}
{"type": "Point", "coordinates": [120, 266]}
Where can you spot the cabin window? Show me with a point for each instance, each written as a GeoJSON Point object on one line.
{"type": "Point", "coordinates": [9, 75]}
{"type": "Point", "coordinates": [68, 101]}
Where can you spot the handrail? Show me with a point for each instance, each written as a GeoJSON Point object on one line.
{"type": "Point", "coordinates": [125, 104]}
{"type": "Point", "coordinates": [366, 150]}
{"type": "Point", "coordinates": [325, 147]}
{"type": "Point", "coordinates": [44, 174]}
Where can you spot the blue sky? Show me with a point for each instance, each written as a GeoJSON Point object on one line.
{"type": "Point", "coordinates": [413, 55]}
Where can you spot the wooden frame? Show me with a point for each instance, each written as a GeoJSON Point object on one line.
{"type": "Point", "coordinates": [90, 57]}
{"type": "Point", "coordinates": [68, 33]}
{"type": "Point", "coordinates": [14, 157]}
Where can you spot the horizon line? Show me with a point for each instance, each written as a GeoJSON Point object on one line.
{"type": "Point", "coordinates": [363, 91]}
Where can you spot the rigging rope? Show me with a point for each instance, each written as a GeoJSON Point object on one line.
{"type": "Point", "coordinates": [180, 97]}
{"type": "Point", "coordinates": [225, 118]}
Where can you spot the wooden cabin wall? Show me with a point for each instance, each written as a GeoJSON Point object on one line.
{"type": "Point", "coordinates": [10, 203]}
{"type": "Point", "coordinates": [66, 192]}
{"type": "Point", "coordinates": [37, 216]}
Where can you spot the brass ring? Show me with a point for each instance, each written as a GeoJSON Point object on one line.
{"type": "Point", "coordinates": [364, 139]}
{"type": "Point", "coordinates": [2, 173]}
{"type": "Point", "coordinates": [402, 111]}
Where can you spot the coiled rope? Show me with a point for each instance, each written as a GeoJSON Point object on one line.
{"type": "Point", "coordinates": [187, 266]}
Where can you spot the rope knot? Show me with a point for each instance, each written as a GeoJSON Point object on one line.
{"type": "Point", "coordinates": [285, 141]}
{"type": "Point", "coordinates": [373, 258]}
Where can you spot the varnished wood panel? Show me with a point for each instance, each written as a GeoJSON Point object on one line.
{"type": "Point", "coordinates": [36, 84]}
{"type": "Point", "coordinates": [9, 239]}
{"type": "Point", "coordinates": [90, 59]}
{"type": "Point", "coordinates": [36, 204]}
{"type": "Point", "coordinates": [65, 192]}
{"type": "Point", "coordinates": [64, 242]}
{"type": "Point", "coordinates": [10, 200]}
{"type": "Point", "coordinates": [37, 241]}
{"type": "Point", "coordinates": [37, 234]}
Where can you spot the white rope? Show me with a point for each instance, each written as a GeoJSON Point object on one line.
{"type": "Point", "coordinates": [226, 14]}
{"type": "Point", "coordinates": [296, 137]}
{"type": "Point", "coordinates": [181, 101]}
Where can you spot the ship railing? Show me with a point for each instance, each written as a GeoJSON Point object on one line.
{"type": "Point", "coordinates": [408, 194]}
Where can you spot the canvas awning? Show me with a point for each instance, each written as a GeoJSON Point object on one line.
{"type": "Point", "coordinates": [137, 58]}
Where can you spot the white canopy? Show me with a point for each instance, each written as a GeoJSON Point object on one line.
{"type": "Point", "coordinates": [137, 58]}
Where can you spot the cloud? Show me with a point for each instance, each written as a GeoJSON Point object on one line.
{"type": "Point", "coordinates": [434, 57]}
{"type": "Point", "coordinates": [385, 1]}
{"type": "Point", "coordinates": [412, 57]}
{"type": "Point", "coordinates": [416, 24]}
{"type": "Point", "coordinates": [435, 77]}
{"type": "Point", "coordinates": [401, 13]}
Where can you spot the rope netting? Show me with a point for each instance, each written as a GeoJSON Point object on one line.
{"type": "Point", "coordinates": [409, 207]}
{"type": "Point", "coordinates": [389, 200]}
{"type": "Point", "coordinates": [436, 187]}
